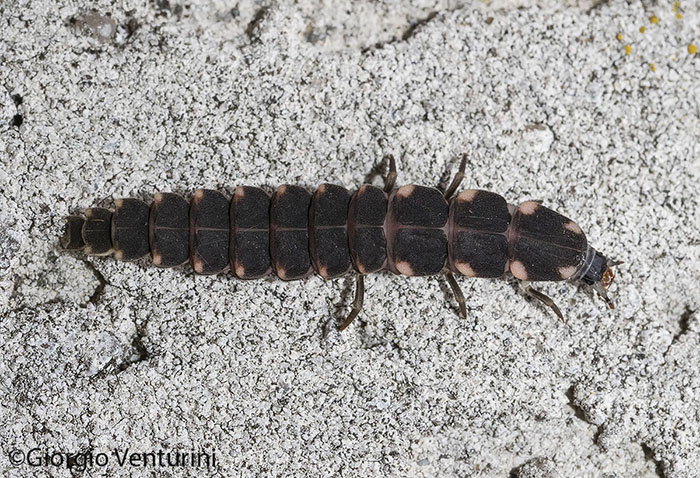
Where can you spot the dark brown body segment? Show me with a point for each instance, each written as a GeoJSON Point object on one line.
{"type": "Point", "coordinates": [419, 252]}
{"type": "Point", "coordinates": [417, 238]}
{"type": "Point", "coordinates": [328, 241]}
{"type": "Point", "coordinates": [209, 231]}
{"type": "Point", "coordinates": [479, 226]}
{"type": "Point", "coordinates": [419, 206]}
{"type": "Point", "coordinates": [169, 230]}
{"type": "Point", "coordinates": [249, 249]}
{"type": "Point", "coordinates": [544, 245]}
{"type": "Point", "coordinates": [97, 231]}
{"type": "Point", "coordinates": [130, 229]}
{"type": "Point", "coordinates": [366, 237]}
{"type": "Point", "coordinates": [73, 235]}
{"type": "Point", "coordinates": [289, 233]}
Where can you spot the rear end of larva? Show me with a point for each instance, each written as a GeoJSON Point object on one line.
{"type": "Point", "coordinates": [412, 230]}
{"type": "Point", "coordinates": [292, 233]}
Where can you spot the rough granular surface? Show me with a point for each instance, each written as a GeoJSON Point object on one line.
{"type": "Point", "coordinates": [591, 107]}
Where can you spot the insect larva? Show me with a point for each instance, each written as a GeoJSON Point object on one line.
{"type": "Point", "coordinates": [412, 230]}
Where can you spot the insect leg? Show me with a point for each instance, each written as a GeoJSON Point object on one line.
{"type": "Point", "coordinates": [357, 303]}
{"type": "Point", "coordinates": [604, 294]}
{"type": "Point", "coordinates": [390, 179]}
{"type": "Point", "coordinates": [459, 296]}
{"type": "Point", "coordinates": [532, 292]}
{"type": "Point", "coordinates": [457, 179]}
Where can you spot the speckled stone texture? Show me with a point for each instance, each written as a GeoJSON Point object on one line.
{"type": "Point", "coordinates": [133, 98]}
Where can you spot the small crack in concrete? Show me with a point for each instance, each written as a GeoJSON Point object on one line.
{"type": "Point", "coordinates": [99, 290]}
{"type": "Point", "coordinates": [24, 307]}
{"type": "Point", "coordinates": [142, 353]}
{"type": "Point", "coordinates": [580, 414]}
{"type": "Point", "coordinates": [415, 26]}
{"type": "Point", "coordinates": [597, 5]}
{"type": "Point", "coordinates": [683, 323]}
{"type": "Point", "coordinates": [649, 455]}
{"type": "Point", "coordinates": [112, 367]}
{"type": "Point", "coordinates": [409, 32]}
{"type": "Point", "coordinates": [684, 327]}
{"type": "Point", "coordinates": [255, 22]}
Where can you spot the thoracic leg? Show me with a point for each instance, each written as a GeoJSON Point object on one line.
{"type": "Point", "coordinates": [459, 296]}
{"type": "Point", "coordinates": [532, 292]}
{"type": "Point", "coordinates": [357, 303]}
{"type": "Point", "coordinates": [604, 294]}
{"type": "Point", "coordinates": [390, 179]}
{"type": "Point", "coordinates": [457, 179]}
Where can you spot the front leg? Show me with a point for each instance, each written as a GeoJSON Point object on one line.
{"type": "Point", "coordinates": [532, 292]}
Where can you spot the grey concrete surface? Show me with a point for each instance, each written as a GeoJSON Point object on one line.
{"type": "Point", "coordinates": [139, 97]}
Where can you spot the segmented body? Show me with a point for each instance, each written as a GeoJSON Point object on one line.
{"type": "Point", "coordinates": [412, 230]}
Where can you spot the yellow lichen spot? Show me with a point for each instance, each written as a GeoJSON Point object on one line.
{"type": "Point", "coordinates": [676, 4]}
{"type": "Point", "coordinates": [654, 19]}
{"type": "Point", "coordinates": [692, 49]}
{"type": "Point", "coordinates": [679, 16]}
{"type": "Point", "coordinates": [653, 67]}
{"type": "Point", "coordinates": [628, 49]}
{"type": "Point", "coordinates": [642, 29]}
{"type": "Point", "coordinates": [619, 37]}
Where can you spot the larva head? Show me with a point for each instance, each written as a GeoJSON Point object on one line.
{"type": "Point", "coordinates": [608, 276]}
{"type": "Point", "coordinates": [599, 273]}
